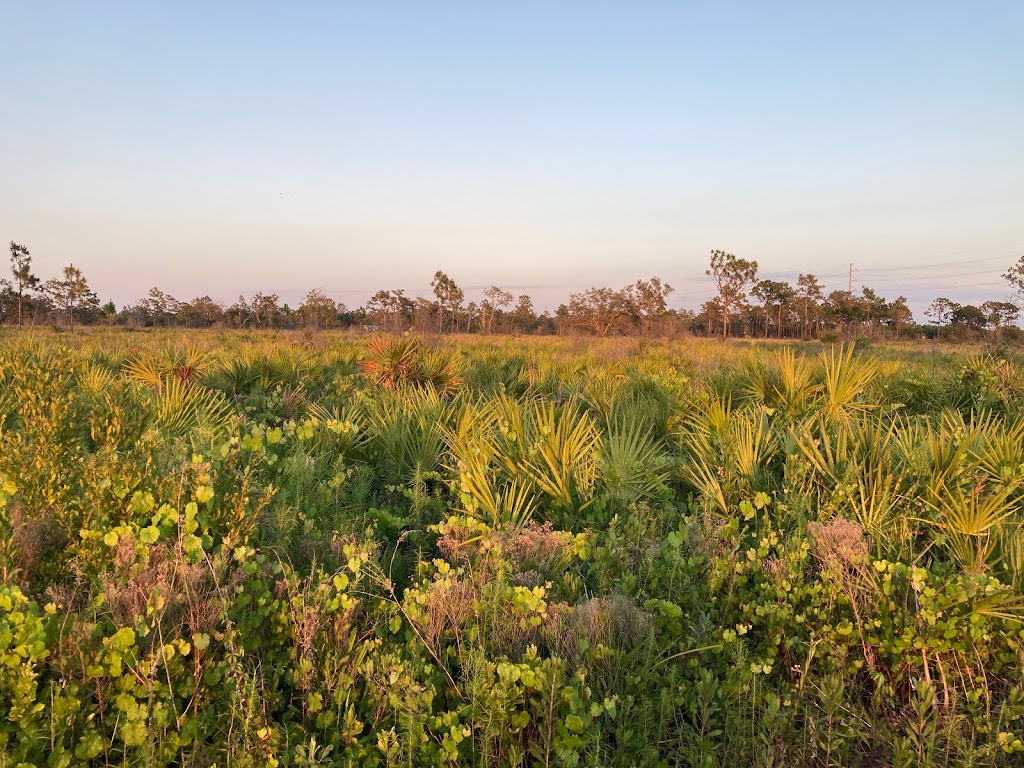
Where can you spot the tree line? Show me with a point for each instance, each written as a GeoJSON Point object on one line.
{"type": "Point", "coordinates": [743, 306]}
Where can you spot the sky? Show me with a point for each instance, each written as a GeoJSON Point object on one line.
{"type": "Point", "coordinates": [226, 148]}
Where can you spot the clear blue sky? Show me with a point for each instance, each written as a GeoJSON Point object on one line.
{"type": "Point", "coordinates": [546, 147]}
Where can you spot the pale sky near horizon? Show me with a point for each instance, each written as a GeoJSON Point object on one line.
{"type": "Point", "coordinates": [225, 148]}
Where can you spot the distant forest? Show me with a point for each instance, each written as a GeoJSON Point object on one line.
{"type": "Point", "coordinates": [743, 306]}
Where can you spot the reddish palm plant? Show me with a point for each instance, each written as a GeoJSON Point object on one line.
{"type": "Point", "coordinates": [390, 362]}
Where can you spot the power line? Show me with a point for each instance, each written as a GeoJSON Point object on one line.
{"type": "Point", "coordinates": [937, 277]}
{"type": "Point", "coordinates": [977, 285]}
{"type": "Point", "coordinates": [903, 268]}
{"type": "Point", "coordinates": [939, 264]}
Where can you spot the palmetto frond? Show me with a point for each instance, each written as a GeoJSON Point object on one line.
{"type": "Point", "coordinates": [796, 389]}
{"type": "Point", "coordinates": [152, 367]}
{"type": "Point", "coordinates": [969, 521]}
{"type": "Point", "coordinates": [390, 362]}
{"type": "Point", "coordinates": [181, 408]}
{"type": "Point", "coordinates": [632, 464]}
{"type": "Point", "coordinates": [440, 370]}
{"type": "Point", "coordinates": [563, 462]}
{"type": "Point", "coordinates": [846, 375]}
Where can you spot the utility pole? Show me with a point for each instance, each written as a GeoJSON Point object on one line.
{"type": "Point", "coordinates": [850, 288]}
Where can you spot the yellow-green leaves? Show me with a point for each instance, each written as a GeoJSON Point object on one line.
{"type": "Point", "coordinates": [7, 489]}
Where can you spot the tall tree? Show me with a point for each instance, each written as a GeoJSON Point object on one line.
{"type": "Point", "coordinates": [733, 278]}
{"type": "Point", "coordinates": [844, 309]}
{"type": "Point", "coordinates": [970, 317]}
{"type": "Point", "coordinates": [810, 293]}
{"type": "Point", "coordinates": [425, 314]}
{"type": "Point", "coordinates": [598, 309]}
{"type": "Point", "coordinates": [497, 300]}
{"type": "Point", "coordinates": [265, 308]}
{"type": "Point", "coordinates": [941, 312]}
{"type": "Point", "coordinates": [1015, 276]}
{"type": "Point", "coordinates": [390, 310]}
{"type": "Point", "coordinates": [710, 315]}
{"type": "Point", "coordinates": [239, 313]}
{"type": "Point", "coordinates": [70, 292]}
{"type": "Point", "coordinates": [449, 297]}
{"type": "Point", "coordinates": [524, 318]}
{"type": "Point", "coordinates": [159, 308]}
{"type": "Point", "coordinates": [318, 310]}
{"type": "Point", "coordinates": [899, 315]}
{"type": "Point", "coordinates": [1000, 314]}
{"type": "Point", "coordinates": [774, 295]}
{"type": "Point", "coordinates": [873, 307]}
{"type": "Point", "coordinates": [201, 312]}
{"type": "Point", "coordinates": [650, 298]}
{"type": "Point", "coordinates": [21, 267]}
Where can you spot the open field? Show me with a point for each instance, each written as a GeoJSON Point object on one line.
{"type": "Point", "coordinates": [250, 549]}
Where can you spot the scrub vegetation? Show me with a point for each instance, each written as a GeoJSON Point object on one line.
{"type": "Point", "coordinates": [249, 549]}
{"type": "Point", "coordinates": [743, 306]}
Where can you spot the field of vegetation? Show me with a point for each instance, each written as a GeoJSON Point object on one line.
{"type": "Point", "coordinates": [249, 549]}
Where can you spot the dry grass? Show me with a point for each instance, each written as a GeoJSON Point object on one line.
{"type": "Point", "coordinates": [612, 622]}
{"type": "Point", "coordinates": [536, 549]}
{"type": "Point", "coordinates": [841, 548]}
{"type": "Point", "coordinates": [839, 544]}
{"type": "Point", "coordinates": [34, 537]}
{"type": "Point", "coordinates": [161, 583]}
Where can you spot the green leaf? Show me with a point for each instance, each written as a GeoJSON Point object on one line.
{"type": "Point", "coordinates": [90, 746]}
{"type": "Point", "coordinates": [574, 723]}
